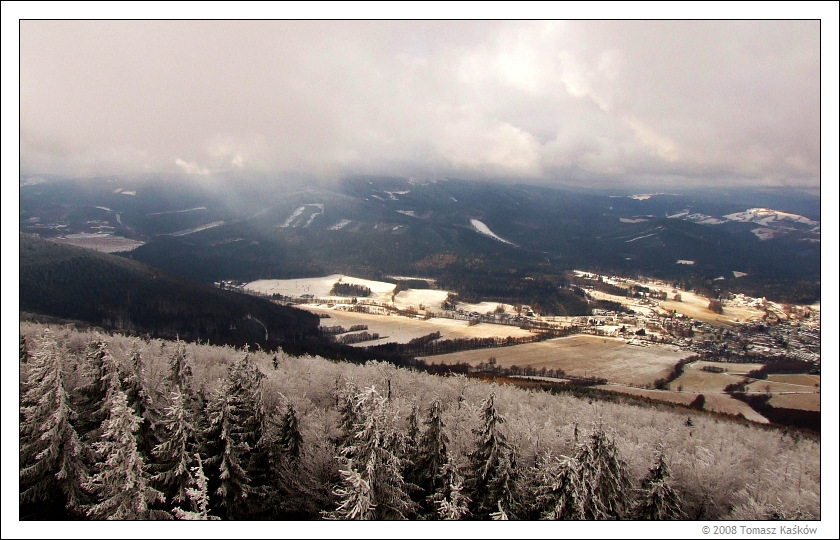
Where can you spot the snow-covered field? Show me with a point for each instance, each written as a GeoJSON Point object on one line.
{"type": "Point", "coordinates": [691, 304]}
{"type": "Point", "coordinates": [320, 287]}
{"type": "Point", "coordinates": [394, 328]}
{"type": "Point", "coordinates": [766, 216]}
{"type": "Point", "coordinates": [485, 307]}
{"type": "Point", "coordinates": [106, 243]}
{"type": "Point", "coordinates": [428, 298]}
{"type": "Point", "coordinates": [293, 221]}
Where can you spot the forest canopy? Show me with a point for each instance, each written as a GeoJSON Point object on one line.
{"type": "Point", "coordinates": [205, 432]}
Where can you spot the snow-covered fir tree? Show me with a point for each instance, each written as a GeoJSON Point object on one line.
{"type": "Point", "coordinates": [491, 475]}
{"type": "Point", "coordinates": [91, 395]}
{"type": "Point", "coordinates": [449, 500]}
{"type": "Point", "coordinates": [411, 454]}
{"type": "Point", "coordinates": [141, 400]}
{"type": "Point", "coordinates": [175, 453]}
{"type": "Point", "coordinates": [372, 485]}
{"type": "Point", "coordinates": [563, 492]}
{"type": "Point", "coordinates": [196, 492]}
{"type": "Point", "coordinates": [51, 454]}
{"type": "Point", "coordinates": [345, 400]}
{"type": "Point", "coordinates": [289, 437]}
{"type": "Point", "coordinates": [235, 421]}
{"type": "Point", "coordinates": [226, 454]}
{"type": "Point", "coordinates": [657, 500]}
{"type": "Point", "coordinates": [180, 372]}
{"type": "Point", "coordinates": [24, 350]}
{"type": "Point", "coordinates": [121, 483]}
{"type": "Point", "coordinates": [432, 454]}
{"type": "Point", "coordinates": [594, 484]}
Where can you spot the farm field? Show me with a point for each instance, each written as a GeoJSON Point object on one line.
{"type": "Point", "coordinates": [690, 304]}
{"type": "Point", "coordinates": [803, 379]}
{"type": "Point", "coordinates": [106, 243]}
{"type": "Point", "coordinates": [395, 328]}
{"type": "Point", "coordinates": [696, 307]}
{"type": "Point", "coordinates": [796, 395]}
{"type": "Point", "coordinates": [428, 298]}
{"type": "Point", "coordinates": [788, 394]}
{"type": "Point", "coordinates": [694, 379]}
{"type": "Point", "coordinates": [320, 287]}
{"type": "Point", "coordinates": [381, 292]}
{"type": "Point", "coordinates": [722, 403]}
{"type": "Point", "coordinates": [806, 402]}
{"type": "Point", "coordinates": [582, 356]}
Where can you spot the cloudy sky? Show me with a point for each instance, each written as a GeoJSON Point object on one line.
{"type": "Point", "coordinates": [575, 102]}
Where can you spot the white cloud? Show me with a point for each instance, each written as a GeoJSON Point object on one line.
{"type": "Point", "coordinates": [190, 167]}
{"type": "Point", "coordinates": [577, 100]}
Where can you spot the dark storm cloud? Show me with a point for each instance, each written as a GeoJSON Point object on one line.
{"type": "Point", "coordinates": [648, 101]}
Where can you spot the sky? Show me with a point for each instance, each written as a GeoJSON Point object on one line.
{"type": "Point", "coordinates": [592, 103]}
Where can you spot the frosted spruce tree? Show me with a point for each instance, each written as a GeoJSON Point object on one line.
{"type": "Point", "coordinates": [449, 501]}
{"type": "Point", "coordinates": [594, 484]}
{"type": "Point", "coordinates": [196, 492]}
{"type": "Point", "coordinates": [563, 492]}
{"type": "Point", "coordinates": [23, 347]}
{"type": "Point", "coordinates": [176, 451]}
{"type": "Point", "coordinates": [411, 453]}
{"type": "Point", "coordinates": [121, 484]}
{"type": "Point", "coordinates": [180, 372]}
{"type": "Point", "coordinates": [345, 400]}
{"type": "Point", "coordinates": [657, 500]}
{"type": "Point", "coordinates": [372, 485]}
{"type": "Point", "coordinates": [51, 454]}
{"type": "Point", "coordinates": [492, 466]}
{"type": "Point", "coordinates": [289, 437]}
{"type": "Point", "coordinates": [141, 400]}
{"type": "Point", "coordinates": [90, 398]}
{"type": "Point", "coordinates": [432, 456]}
{"type": "Point", "coordinates": [235, 423]}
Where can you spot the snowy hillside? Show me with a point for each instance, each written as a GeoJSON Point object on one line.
{"type": "Point", "coordinates": [485, 230]}
{"type": "Point", "coordinates": [766, 216]}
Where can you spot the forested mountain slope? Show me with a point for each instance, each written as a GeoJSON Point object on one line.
{"type": "Point", "coordinates": [113, 292]}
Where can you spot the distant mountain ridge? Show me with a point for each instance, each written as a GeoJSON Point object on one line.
{"type": "Point", "coordinates": [450, 229]}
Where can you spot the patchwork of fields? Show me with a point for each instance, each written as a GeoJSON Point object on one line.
{"type": "Point", "coordinates": [628, 368]}
{"type": "Point", "coordinates": [582, 356]}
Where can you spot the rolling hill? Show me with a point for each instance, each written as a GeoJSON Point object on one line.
{"type": "Point", "coordinates": [109, 291]}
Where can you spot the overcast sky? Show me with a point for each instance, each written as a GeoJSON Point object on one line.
{"type": "Point", "coordinates": [579, 102]}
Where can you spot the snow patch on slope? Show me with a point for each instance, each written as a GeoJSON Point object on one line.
{"type": "Point", "coordinates": [485, 230]}
{"type": "Point", "coordinates": [290, 221]}
{"type": "Point", "coordinates": [340, 225]}
{"type": "Point", "coordinates": [763, 233]}
{"type": "Point", "coordinates": [766, 216]}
